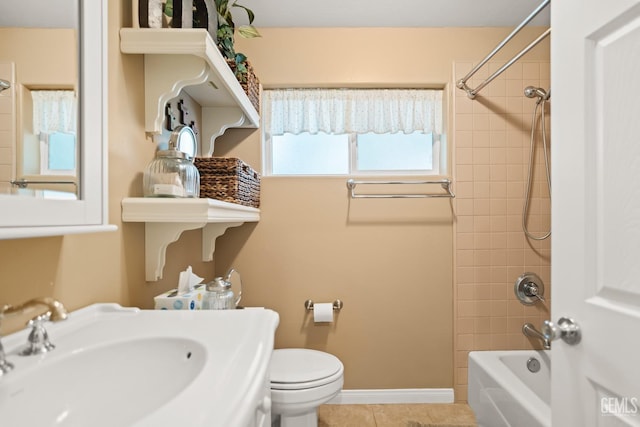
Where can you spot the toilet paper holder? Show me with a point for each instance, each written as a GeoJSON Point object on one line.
{"type": "Point", "coordinates": [337, 305]}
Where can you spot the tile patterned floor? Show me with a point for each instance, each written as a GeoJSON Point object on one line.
{"type": "Point", "coordinates": [397, 415]}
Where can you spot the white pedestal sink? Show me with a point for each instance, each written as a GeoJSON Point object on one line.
{"type": "Point", "coordinates": [115, 366]}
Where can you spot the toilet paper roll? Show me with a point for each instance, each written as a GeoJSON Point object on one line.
{"type": "Point", "coordinates": [323, 312]}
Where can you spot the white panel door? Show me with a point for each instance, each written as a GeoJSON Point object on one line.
{"type": "Point", "coordinates": [596, 210]}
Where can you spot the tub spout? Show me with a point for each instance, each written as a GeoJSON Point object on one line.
{"type": "Point", "coordinates": [530, 331]}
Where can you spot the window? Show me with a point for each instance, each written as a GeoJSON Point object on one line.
{"type": "Point", "coordinates": [306, 154]}
{"type": "Point", "coordinates": [58, 153]}
{"type": "Point", "coordinates": [54, 123]}
{"type": "Point", "coordinates": [352, 132]}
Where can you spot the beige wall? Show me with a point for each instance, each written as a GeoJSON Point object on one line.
{"type": "Point", "coordinates": [42, 59]}
{"type": "Point", "coordinates": [391, 262]}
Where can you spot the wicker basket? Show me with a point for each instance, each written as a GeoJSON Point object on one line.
{"type": "Point", "coordinates": [252, 85]}
{"type": "Point", "coordinates": [228, 179]}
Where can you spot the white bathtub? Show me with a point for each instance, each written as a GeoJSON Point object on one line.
{"type": "Point", "coordinates": [503, 392]}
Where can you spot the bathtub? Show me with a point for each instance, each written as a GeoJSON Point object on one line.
{"type": "Point", "coordinates": [504, 392]}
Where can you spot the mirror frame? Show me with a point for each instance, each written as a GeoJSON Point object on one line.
{"type": "Point", "coordinates": [33, 217]}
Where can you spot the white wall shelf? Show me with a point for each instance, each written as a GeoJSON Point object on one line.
{"type": "Point", "coordinates": [188, 59]}
{"type": "Point", "coordinates": [166, 218]}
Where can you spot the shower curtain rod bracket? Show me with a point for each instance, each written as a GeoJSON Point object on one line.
{"type": "Point", "coordinates": [462, 83]}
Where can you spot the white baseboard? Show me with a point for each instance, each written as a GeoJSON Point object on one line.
{"type": "Point", "coordinates": [403, 395]}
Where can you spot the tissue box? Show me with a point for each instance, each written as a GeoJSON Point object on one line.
{"type": "Point", "coordinates": [191, 300]}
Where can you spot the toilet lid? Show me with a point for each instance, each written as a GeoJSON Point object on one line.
{"type": "Point", "coordinates": [303, 366]}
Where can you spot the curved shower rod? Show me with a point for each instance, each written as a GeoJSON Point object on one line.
{"type": "Point", "coordinates": [462, 83]}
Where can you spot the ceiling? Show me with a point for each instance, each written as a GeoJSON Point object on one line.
{"type": "Point", "coordinates": [391, 13]}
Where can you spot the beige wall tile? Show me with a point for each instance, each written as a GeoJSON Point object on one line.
{"type": "Point", "coordinates": [498, 205]}
{"type": "Point", "coordinates": [482, 325]}
{"type": "Point", "coordinates": [464, 173]}
{"type": "Point", "coordinates": [481, 156]}
{"type": "Point", "coordinates": [464, 274]}
{"type": "Point", "coordinates": [465, 324]}
{"type": "Point", "coordinates": [514, 72]}
{"type": "Point", "coordinates": [480, 122]}
{"type": "Point", "coordinates": [499, 259]}
{"type": "Point", "coordinates": [462, 358]}
{"type": "Point", "coordinates": [463, 138]}
{"type": "Point", "coordinates": [481, 203]}
{"type": "Point", "coordinates": [466, 309]}
{"type": "Point", "coordinates": [530, 71]}
{"type": "Point", "coordinates": [499, 342]}
{"type": "Point", "coordinates": [482, 292]}
{"type": "Point", "coordinates": [464, 122]}
{"type": "Point", "coordinates": [464, 156]}
{"type": "Point", "coordinates": [481, 223]}
{"type": "Point", "coordinates": [466, 292]}
{"type": "Point", "coordinates": [498, 138]}
{"type": "Point", "coordinates": [498, 325]}
{"type": "Point", "coordinates": [481, 173]}
{"type": "Point", "coordinates": [482, 274]}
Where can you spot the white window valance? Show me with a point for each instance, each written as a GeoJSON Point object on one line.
{"type": "Point", "coordinates": [339, 111]}
{"type": "Point", "coordinates": [54, 111]}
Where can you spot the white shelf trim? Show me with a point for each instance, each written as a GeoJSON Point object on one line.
{"type": "Point", "coordinates": [166, 218]}
{"type": "Point", "coordinates": [189, 60]}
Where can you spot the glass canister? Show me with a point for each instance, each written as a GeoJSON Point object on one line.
{"type": "Point", "coordinates": [172, 173]}
{"type": "Point", "coordinates": [219, 295]}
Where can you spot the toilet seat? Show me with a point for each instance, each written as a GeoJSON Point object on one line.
{"type": "Point", "coordinates": [298, 369]}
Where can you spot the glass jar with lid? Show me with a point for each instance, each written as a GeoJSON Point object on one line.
{"type": "Point", "coordinates": [172, 172]}
{"type": "Point", "coordinates": [219, 296]}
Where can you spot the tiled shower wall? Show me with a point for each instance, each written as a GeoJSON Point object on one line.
{"type": "Point", "coordinates": [491, 156]}
{"type": "Point", "coordinates": [7, 120]}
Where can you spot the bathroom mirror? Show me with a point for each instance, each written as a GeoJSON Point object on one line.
{"type": "Point", "coordinates": [77, 68]}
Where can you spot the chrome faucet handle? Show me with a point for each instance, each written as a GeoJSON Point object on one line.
{"type": "Point", "coordinates": [531, 290]}
{"type": "Point", "coordinates": [5, 365]}
{"type": "Point", "coordinates": [38, 341]}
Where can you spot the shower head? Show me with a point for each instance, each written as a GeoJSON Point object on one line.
{"type": "Point", "coordinates": [4, 85]}
{"type": "Point", "coordinates": [533, 92]}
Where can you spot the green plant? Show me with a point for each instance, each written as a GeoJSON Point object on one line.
{"type": "Point", "coordinates": [226, 33]}
{"type": "Point", "coordinates": [241, 70]}
{"type": "Point", "coordinates": [167, 9]}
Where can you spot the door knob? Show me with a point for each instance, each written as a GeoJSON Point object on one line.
{"type": "Point", "coordinates": [566, 329]}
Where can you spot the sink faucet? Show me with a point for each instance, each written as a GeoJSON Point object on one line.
{"type": "Point", "coordinates": [38, 338]}
{"type": "Point", "coordinates": [529, 330]}
{"type": "Point", "coordinates": [57, 310]}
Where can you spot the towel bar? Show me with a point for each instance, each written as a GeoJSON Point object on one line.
{"type": "Point", "coordinates": [444, 183]}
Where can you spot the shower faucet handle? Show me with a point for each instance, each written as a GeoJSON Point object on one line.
{"type": "Point", "coordinates": [529, 288]}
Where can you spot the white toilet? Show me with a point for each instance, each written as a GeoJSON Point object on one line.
{"type": "Point", "coordinates": [302, 380]}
